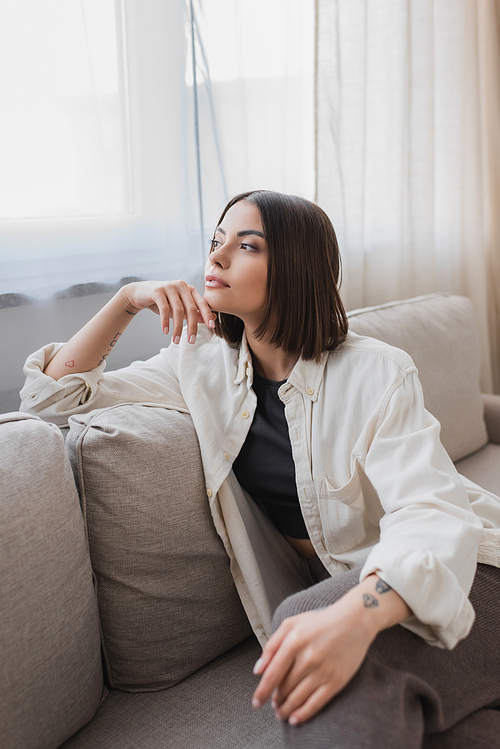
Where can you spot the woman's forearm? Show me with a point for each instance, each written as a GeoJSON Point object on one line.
{"type": "Point", "coordinates": [171, 300]}
{"type": "Point", "coordinates": [93, 343]}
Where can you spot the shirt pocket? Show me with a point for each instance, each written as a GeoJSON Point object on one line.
{"type": "Point", "coordinates": [342, 513]}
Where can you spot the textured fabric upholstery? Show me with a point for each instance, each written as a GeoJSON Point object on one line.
{"type": "Point", "coordinates": [492, 416]}
{"type": "Point", "coordinates": [483, 467]}
{"type": "Point", "coordinates": [210, 710]}
{"type": "Point", "coordinates": [50, 674]}
{"type": "Point", "coordinates": [440, 334]}
{"type": "Point", "coordinates": [167, 601]}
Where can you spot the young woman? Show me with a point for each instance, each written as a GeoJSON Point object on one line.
{"type": "Point", "coordinates": [327, 434]}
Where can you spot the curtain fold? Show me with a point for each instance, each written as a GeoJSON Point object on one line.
{"type": "Point", "coordinates": [255, 64]}
{"type": "Point", "coordinates": [488, 43]}
{"type": "Point", "coordinates": [408, 160]}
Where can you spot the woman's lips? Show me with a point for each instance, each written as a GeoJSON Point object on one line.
{"type": "Point", "coordinates": [214, 282]}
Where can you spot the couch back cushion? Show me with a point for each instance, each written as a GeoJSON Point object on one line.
{"type": "Point", "coordinates": [166, 598]}
{"type": "Point", "coordinates": [51, 675]}
{"type": "Point", "coordinates": [439, 331]}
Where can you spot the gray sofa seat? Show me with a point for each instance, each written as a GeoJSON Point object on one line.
{"type": "Point", "coordinates": [211, 708]}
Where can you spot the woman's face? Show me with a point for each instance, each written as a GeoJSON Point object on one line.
{"type": "Point", "coordinates": [236, 269]}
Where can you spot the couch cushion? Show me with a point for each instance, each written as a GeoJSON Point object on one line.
{"type": "Point", "coordinates": [210, 710]}
{"type": "Point", "coordinates": [483, 468]}
{"type": "Point", "coordinates": [51, 676]}
{"type": "Point", "coordinates": [492, 416]}
{"type": "Point", "coordinates": [166, 598]}
{"type": "Point", "coordinates": [439, 332]}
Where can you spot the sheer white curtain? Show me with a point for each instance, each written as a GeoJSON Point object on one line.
{"type": "Point", "coordinates": [93, 145]}
{"type": "Point", "coordinates": [117, 154]}
{"type": "Point", "coordinates": [254, 63]}
{"type": "Point", "coordinates": [408, 151]}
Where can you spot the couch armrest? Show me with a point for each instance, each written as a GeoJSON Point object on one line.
{"type": "Point", "coordinates": [492, 416]}
{"type": "Point", "coordinates": [51, 676]}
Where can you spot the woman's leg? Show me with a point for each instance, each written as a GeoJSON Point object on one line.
{"type": "Point", "coordinates": [405, 687]}
{"type": "Point", "coordinates": [481, 730]}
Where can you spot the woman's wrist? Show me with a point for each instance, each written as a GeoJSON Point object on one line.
{"type": "Point", "coordinates": [374, 606]}
{"type": "Point", "coordinates": [123, 298]}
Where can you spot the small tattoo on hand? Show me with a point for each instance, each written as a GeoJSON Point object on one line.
{"type": "Point", "coordinates": [382, 587]}
{"type": "Point", "coordinates": [369, 601]}
{"type": "Point", "coordinates": [70, 363]}
{"type": "Point", "coordinates": [130, 313]}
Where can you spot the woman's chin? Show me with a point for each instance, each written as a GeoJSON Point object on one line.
{"type": "Point", "coordinates": [211, 295]}
{"type": "Point", "coordinates": [214, 301]}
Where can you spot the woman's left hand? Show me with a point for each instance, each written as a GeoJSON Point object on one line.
{"type": "Point", "coordinates": [309, 659]}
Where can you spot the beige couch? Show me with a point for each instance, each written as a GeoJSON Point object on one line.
{"type": "Point", "coordinates": [120, 623]}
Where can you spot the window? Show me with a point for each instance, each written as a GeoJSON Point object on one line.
{"type": "Point", "coordinates": [91, 186]}
{"type": "Point", "coordinates": [103, 172]}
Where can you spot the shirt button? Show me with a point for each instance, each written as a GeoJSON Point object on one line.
{"type": "Point", "coordinates": [245, 415]}
{"type": "Point", "coordinates": [227, 456]}
{"type": "Point", "coordinates": [310, 391]}
{"type": "Point", "coordinates": [209, 493]}
{"type": "Point", "coordinates": [247, 368]}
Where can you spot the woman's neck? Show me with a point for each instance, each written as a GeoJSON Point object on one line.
{"type": "Point", "coordinates": [270, 362]}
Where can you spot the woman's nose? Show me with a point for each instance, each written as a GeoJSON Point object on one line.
{"type": "Point", "coordinates": [218, 257]}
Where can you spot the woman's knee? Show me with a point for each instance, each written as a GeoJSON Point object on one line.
{"type": "Point", "coordinates": [318, 596]}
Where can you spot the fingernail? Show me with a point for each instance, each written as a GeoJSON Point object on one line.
{"type": "Point", "coordinates": [192, 339]}
{"type": "Point", "coordinates": [274, 704]}
{"type": "Point", "coordinates": [211, 324]}
{"type": "Point", "coordinates": [293, 720]}
{"type": "Point", "coordinates": [258, 666]}
{"type": "Point", "coordinates": [278, 716]}
{"type": "Point", "coordinates": [177, 339]}
{"type": "Point", "coordinates": [165, 330]}
{"type": "Point", "coordinates": [256, 702]}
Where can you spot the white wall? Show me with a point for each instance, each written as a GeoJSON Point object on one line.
{"type": "Point", "coordinates": [27, 328]}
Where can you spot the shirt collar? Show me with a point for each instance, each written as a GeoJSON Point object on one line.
{"type": "Point", "coordinates": [245, 368]}
{"type": "Point", "coordinates": [306, 376]}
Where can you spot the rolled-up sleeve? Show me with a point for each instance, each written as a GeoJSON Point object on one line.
{"type": "Point", "coordinates": [151, 382]}
{"type": "Point", "coordinates": [429, 535]}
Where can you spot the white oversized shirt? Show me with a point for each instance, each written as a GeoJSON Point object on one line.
{"type": "Point", "coordinates": [377, 490]}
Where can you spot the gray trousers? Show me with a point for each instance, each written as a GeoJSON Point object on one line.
{"type": "Point", "coordinates": [408, 694]}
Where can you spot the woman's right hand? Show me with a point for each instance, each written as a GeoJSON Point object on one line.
{"type": "Point", "coordinates": [173, 300]}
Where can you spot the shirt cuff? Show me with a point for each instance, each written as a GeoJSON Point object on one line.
{"type": "Point", "coordinates": [53, 399]}
{"type": "Point", "coordinates": [442, 613]}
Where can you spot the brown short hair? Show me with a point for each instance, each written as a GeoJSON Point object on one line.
{"type": "Point", "coordinates": [304, 314]}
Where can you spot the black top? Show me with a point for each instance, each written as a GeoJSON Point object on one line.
{"type": "Point", "coordinates": [265, 467]}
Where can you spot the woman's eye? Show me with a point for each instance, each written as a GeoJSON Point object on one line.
{"type": "Point", "coordinates": [250, 247]}
{"type": "Point", "coordinates": [214, 244]}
